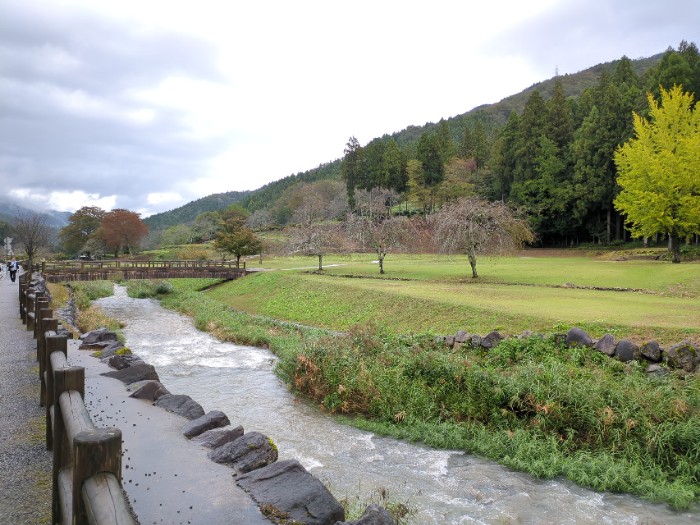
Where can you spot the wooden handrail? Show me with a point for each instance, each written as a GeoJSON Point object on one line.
{"type": "Point", "coordinates": [86, 473]}
{"type": "Point", "coordinates": [52, 266]}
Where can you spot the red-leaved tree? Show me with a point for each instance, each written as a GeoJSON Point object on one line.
{"type": "Point", "coordinates": [122, 230]}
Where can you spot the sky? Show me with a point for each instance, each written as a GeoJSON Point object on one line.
{"type": "Point", "coordinates": [148, 104]}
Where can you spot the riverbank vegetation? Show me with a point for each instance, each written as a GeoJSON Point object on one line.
{"type": "Point", "coordinates": [89, 316]}
{"type": "Point", "coordinates": [531, 404]}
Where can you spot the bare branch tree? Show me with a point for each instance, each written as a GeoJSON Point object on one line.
{"type": "Point", "coordinates": [315, 239]}
{"type": "Point", "coordinates": [32, 231]}
{"type": "Point", "coordinates": [379, 235]}
{"type": "Point", "coordinates": [473, 226]}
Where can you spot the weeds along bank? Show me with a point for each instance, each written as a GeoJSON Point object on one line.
{"type": "Point", "coordinates": [530, 404]}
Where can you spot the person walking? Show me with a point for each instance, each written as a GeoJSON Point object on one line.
{"type": "Point", "coordinates": [12, 267]}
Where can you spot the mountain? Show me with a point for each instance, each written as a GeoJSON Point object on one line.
{"type": "Point", "coordinates": [9, 210]}
{"type": "Point", "coordinates": [495, 115]}
{"type": "Point", "coordinates": [188, 213]}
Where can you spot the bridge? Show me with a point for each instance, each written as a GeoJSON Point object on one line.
{"type": "Point", "coordinates": [113, 269]}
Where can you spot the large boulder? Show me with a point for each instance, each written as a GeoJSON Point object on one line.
{"type": "Point", "coordinates": [651, 351]}
{"type": "Point", "coordinates": [249, 452]}
{"type": "Point", "coordinates": [139, 371]}
{"type": "Point", "coordinates": [577, 337]}
{"type": "Point", "coordinates": [212, 419]}
{"type": "Point", "coordinates": [98, 336]}
{"type": "Point", "coordinates": [148, 390]}
{"type": "Point", "coordinates": [110, 348]}
{"type": "Point", "coordinates": [606, 345]}
{"type": "Point", "coordinates": [373, 515]}
{"type": "Point", "coordinates": [626, 350]}
{"type": "Point", "coordinates": [180, 404]}
{"type": "Point", "coordinates": [120, 362]}
{"type": "Point", "coordinates": [287, 489]}
{"type": "Point", "coordinates": [218, 437]}
{"type": "Point", "coordinates": [656, 370]}
{"type": "Point", "coordinates": [683, 355]}
{"type": "Point", "coordinates": [491, 340]}
{"type": "Point", "coordinates": [462, 337]}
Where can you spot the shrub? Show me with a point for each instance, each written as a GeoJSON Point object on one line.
{"type": "Point", "coordinates": [144, 289]}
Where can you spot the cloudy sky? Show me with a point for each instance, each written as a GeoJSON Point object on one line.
{"type": "Point", "coordinates": [150, 104]}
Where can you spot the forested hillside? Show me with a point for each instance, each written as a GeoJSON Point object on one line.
{"type": "Point", "coordinates": [552, 157]}
{"type": "Point", "coordinates": [547, 151]}
{"type": "Point", "coordinates": [188, 213]}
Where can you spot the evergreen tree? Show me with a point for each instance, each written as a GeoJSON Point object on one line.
{"type": "Point", "coordinates": [505, 159]}
{"type": "Point", "coordinates": [680, 68]}
{"type": "Point", "coordinates": [444, 143]}
{"type": "Point", "coordinates": [533, 126]}
{"type": "Point", "coordinates": [608, 125]}
{"type": "Point", "coordinates": [396, 175]}
{"type": "Point", "coordinates": [560, 123]}
{"type": "Point", "coordinates": [374, 174]}
{"type": "Point", "coordinates": [352, 168]}
{"type": "Point", "coordinates": [428, 153]}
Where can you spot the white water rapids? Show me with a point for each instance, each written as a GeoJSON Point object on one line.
{"type": "Point", "coordinates": [447, 487]}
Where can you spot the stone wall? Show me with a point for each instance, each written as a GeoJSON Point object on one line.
{"type": "Point", "coordinates": [684, 355]}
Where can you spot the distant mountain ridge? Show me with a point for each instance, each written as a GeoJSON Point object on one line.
{"type": "Point", "coordinates": [188, 212]}
{"type": "Point", "coordinates": [9, 210]}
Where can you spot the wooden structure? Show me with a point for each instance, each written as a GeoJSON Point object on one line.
{"type": "Point", "coordinates": [61, 271]}
{"type": "Point", "coordinates": [86, 477]}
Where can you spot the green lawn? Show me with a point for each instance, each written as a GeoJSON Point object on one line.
{"type": "Point", "coordinates": [637, 299]}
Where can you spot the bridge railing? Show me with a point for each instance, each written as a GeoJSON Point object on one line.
{"type": "Point", "coordinates": [86, 473]}
{"type": "Point", "coordinates": [55, 271]}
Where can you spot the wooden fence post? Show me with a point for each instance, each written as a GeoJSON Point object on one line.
{"type": "Point", "coordinates": [64, 380]}
{"type": "Point", "coordinates": [41, 302]}
{"type": "Point", "coordinates": [31, 299]}
{"type": "Point", "coordinates": [49, 326]}
{"type": "Point", "coordinates": [22, 296]}
{"type": "Point", "coordinates": [94, 451]}
{"type": "Point", "coordinates": [43, 310]}
{"type": "Point", "coordinates": [54, 343]}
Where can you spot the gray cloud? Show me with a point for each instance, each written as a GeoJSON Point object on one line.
{"type": "Point", "coordinates": [74, 115]}
{"type": "Point", "coordinates": [68, 117]}
{"type": "Point", "coordinates": [577, 34]}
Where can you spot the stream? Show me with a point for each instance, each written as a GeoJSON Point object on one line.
{"type": "Point", "coordinates": [446, 487]}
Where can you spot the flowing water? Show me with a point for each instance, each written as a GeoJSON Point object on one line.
{"type": "Point", "coordinates": [446, 487]}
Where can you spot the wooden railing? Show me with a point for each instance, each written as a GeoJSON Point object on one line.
{"type": "Point", "coordinates": [86, 477]}
{"type": "Point", "coordinates": [58, 271]}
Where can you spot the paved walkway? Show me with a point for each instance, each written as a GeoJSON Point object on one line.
{"type": "Point", "coordinates": [25, 464]}
{"type": "Point", "coordinates": [168, 480]}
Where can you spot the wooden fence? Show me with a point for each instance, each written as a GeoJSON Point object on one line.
{"type": "Point", "coordinates": [60, 271]}
{"type": "Point", "coordinates": [86, 477]}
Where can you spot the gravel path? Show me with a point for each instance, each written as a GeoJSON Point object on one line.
{"type": "Point", "coordinates": [25, 464]}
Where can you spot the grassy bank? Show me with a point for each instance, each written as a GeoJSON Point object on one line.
{"type": "Point", "coordinates": [636, 299]}
{"type": "Point", "coordinates": [531, 404]}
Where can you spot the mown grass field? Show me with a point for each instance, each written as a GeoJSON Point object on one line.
{"type": "Point", "coordinates": [635, 299]}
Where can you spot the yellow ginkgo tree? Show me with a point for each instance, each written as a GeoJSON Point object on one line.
{"type": "Point", "coordinates": [659, 171]}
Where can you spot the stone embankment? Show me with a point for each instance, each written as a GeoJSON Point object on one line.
{"type": "Point", "coordinates": [683, 356]}
{"type": "Point", "coordinates": [285, 491]}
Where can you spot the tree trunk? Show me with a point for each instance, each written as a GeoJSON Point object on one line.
{"type": "Point", "coordinates": [471, 254]}
{"type": "Point", "coordinates": [238, 262]}
{"type": "Point", "coordinates": [381, 264]}
{"type": "Point", "coordinates": [674, 246]}
{"type": "Point", "coordinates": [609, 225]}
{"type": "Point", "coordinates": [320, 262]}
